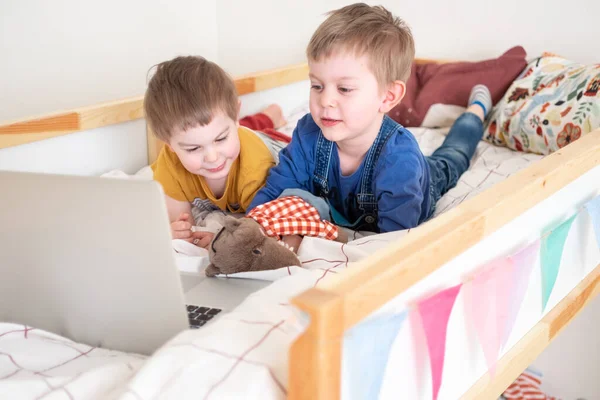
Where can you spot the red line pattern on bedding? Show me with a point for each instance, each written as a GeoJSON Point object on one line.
{"type": "Point", "coordinates": [241, 358]}
{"type": "Point", "coordinates": [283, 389]}
{"type": "Point", "coordinates": [35, 364]}
{"type": "Point", "coordinates": [335, 266]}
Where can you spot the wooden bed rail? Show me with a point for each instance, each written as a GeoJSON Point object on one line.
{"type": "Point", "coordinates": [341, 302]}
{"type": "Point", "coordinates": [32, 129]}
{"type": "Point", "coordinates": [63, 122]}
{"type": "Point", "coordinates": [13, 133]}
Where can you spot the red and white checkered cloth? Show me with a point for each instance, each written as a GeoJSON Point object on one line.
{"type": "Point", "coordinates": [292, 215]}
{"type": "Point", "coordinates": [526, 387]}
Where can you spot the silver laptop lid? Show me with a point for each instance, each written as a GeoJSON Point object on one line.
{"type": "Point", "coordinates": [90, 259]}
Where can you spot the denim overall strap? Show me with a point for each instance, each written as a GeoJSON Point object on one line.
{"type": "Point", "coordinates": [367, 202]}
{"type": "Point", "coordinates": [323, 161]}
{"type": "Point", "coordinates": [323, 157]}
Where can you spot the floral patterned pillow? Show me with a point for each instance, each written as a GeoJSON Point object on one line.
{"type": "Point", "coordinates": [550, 105]}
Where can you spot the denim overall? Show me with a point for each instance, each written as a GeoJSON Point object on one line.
{"type": "Point", "coordinates": [365, 199]}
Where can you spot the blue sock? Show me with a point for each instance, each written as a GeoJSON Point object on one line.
{"type": "Point", "coordinates": [480, 104]}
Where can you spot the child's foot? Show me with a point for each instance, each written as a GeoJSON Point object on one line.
{"type": "Point", "coordinates": [275, 115]}
{"type": "Point", "coordinates": [480, 101]}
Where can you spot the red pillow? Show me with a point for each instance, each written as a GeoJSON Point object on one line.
{"type": "Point", "coordinates": [451, 83]}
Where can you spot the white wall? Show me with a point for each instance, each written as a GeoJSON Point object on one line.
{"type": "Point", "coordinates": [259, 34]}
{"type": "Point", "coordinates": [90, 153]}
{"type": "Point", "coordinates": [473, 29]}
{"type": "Point", "coordinates": [69, 53]}
{"type": "Point", "coordinates": [569, 365]}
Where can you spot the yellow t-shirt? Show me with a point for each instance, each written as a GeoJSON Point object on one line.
{"type": "Point", "coordinates": [247, 175]}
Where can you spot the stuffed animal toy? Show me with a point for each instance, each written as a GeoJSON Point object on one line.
{"type": "Point", "coordinates": [241, 246]}
{"type": "Point", "coordinates": [253, 243]}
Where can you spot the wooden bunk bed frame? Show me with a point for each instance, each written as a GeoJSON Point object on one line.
{"type": "Point", "coordinates": [337, 305]}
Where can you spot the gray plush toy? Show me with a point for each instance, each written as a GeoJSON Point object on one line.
{"type": "Point", "coordinates": [241, 246]}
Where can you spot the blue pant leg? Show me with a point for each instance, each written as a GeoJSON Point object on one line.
{"type": "Point", "coordinates": [453, 157]}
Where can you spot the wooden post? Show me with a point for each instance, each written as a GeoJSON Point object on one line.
{"type": "Point", "coordinates": [315, 357]}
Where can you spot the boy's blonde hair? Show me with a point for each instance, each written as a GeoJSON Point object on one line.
{"type": "Point", "coordinates": [186, 92]}
{"type": "Point", "coordinates": [367, 30]}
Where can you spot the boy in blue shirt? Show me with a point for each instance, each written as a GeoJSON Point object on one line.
{"type": "Point", "coordinates": [367, 167]}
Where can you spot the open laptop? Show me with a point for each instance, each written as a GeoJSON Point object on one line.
{"type": "Point", "coordinates": [90, 259]}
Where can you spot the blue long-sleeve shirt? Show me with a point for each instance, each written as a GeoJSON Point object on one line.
{"type": "Point", "coordinates": [401, 178]}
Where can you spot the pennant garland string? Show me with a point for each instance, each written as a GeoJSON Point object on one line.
{"type": "Point", "coordinates": [493, 298]}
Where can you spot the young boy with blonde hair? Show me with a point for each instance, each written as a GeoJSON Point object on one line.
{"type": "Point", "coordinates": [209, 160]}
{"type": "Point", "coordinates": [367, 167]}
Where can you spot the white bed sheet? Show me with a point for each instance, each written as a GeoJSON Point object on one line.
{"type": "Point", "coordinates": [243, 354]}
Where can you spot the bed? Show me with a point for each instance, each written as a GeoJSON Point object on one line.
{"type": "Point", "coordinates": [398, 313]}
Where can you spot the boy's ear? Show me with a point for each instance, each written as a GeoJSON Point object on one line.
{"type": "Point", "coordinates": [394, 93]}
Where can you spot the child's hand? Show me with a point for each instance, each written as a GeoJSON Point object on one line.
{"type": "Point", "coordinates": [342, 236]}
{"type": "Point", "coordinates": [182, 227]}
{"type": "Point", "coordinates": [293, 241]}
{"type": "Point", "coordinates": [202, 238]}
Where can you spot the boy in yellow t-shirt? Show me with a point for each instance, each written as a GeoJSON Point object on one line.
{"type": "Point", "coordinates": [209, 160]}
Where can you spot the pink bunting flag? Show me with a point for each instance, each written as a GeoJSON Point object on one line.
{"type": "Point", "coordinates": [504, 287]}
{"type": "Point", "coordinates": [523, 262]}
{"type": "Point", "coordinates": [486, 306]}
{"type": "Point", "coordinates": [435, 312]}
{"type": "Point", "coordinates": [419, 343]}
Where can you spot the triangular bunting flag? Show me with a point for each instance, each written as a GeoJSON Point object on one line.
{"type": "Point", "coordinates": [523, 263]}
{"type": "Point", "coordinates": [504, 279]}
{"type": "Point", "coordinates": [486, 305]}
{"type": "Point", "coordinates": [551, 253]}
{"type": "Point", "coordinates": [593, 208]}
{"type": "Point", "coordinates": [419, 345]}
{"type": "Point", "coordinates": [366, 350]}
{"type": "Point", "coordinates": [435, 312]}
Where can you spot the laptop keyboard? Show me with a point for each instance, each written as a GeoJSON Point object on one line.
{"type": "Point", "coordinates": [198, 316]}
